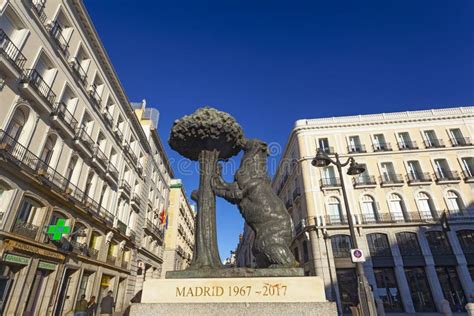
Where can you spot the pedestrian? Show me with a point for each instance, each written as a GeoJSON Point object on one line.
{"type": "Point", "coordinates": [107, 304]}
{"type": "Point", "coordinates": [91, 307]}
{"type": "Point", "coordinates": [81, 306]}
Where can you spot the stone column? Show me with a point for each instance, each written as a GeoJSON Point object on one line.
{"type": "Point", "coordinates": [461, 268]}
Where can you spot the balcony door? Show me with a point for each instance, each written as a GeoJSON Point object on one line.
{"type": "Point", "coordinates": [468, 166]}
{"type": "Point", "coordinates": [379, 142]}
{"type": "Point", "coordinates": [430, 138]}
{"type": "Point", "coordinates": [414, 169]}
{"type": "Point", "coordinates": [425, 205]}
{"type": "Point", "coordinates": [456, 136]}
{"type": "Point", "coordinates": [334, 210]}
{"type": "Point", "coordinates": [395, 203]}
{"type": "Point", "coordinates": [323, 144]}
{"type": "Point", "coordinates": [442, 168]}
{"type": "Point", "coordinates": [328, 174]}
{"type": "Point", "coordinates": [387, 170]}
{"type": "Point", "coordinates": [404, 140]}
{"type": "Point", "coordinates": [453, 202]}
{"type": "Point", "coordinates": [368, 209]}
{"type": "Point", "coordinates": [354, 144]}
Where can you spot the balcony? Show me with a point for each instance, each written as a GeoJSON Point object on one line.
{"type": "Point", "coordinates": [434, 143]}
{"type": "Point", "coordinates": [417, 178]}
{"type": "Point", "coordinates": [56, 32]}
{"type": "Point", "coordinates": [48, 177]}
{"type": "Point", "coordinates": [468, 176]}
{"type": "Point", "coordinates": [112, 260]}
{"type": "Point", "coordinates": [135, 201]}
{"type": "Point", "coordinates": [124, 264]}
{"type": "Point", "coordinates": [335, 220]}
{"type": "Point", "coordinates": [407, 145]}
{"type": "Point", "coordinates": [406, 217]}
{"type": "Point", "coordinates": [382, 147]}
{"type": "Point", "coordinates": [78, 70]}
{"type": "Point", "coordinates": [38, 8]}
{"type": "Point", "coordinates": [108, 118]}
{"type": "Point", "coordinates": [62, 118]}
{"type": "Point", "coordinates": [83, 140]}
{"type": "Point", "coordinates": [330, 182]}
{"type": "Point", "coordinates": [133, 157]}
{"type": "Point", "coordinates": [327, 150]}
{"type": "Point", "coordinates": [391, 179]}
{"type": "Point", "coordinates": [25, 229]}
{"type": "Point", "coordinates": [120, 226]}
{"type": "Point", "coordinates": [11, 52]}
{"type": "Point", "coordinates": [99, 158]}
{"type": "Point", "coordinates": [94, 95]}
{"type": "Point", "coordinates": [83, 249]}
{"type": "Point", "coordinates": [447, 176]}
{"type": "Point", "coordinates": [125, 187]}
{"type": "Point", "coordinates": [118, 134]}
{"type": "Point", "coordinates": [158, 232]}
{"type": "Point", "coordinates": [354, 149]}
{"type": "Point", "coordinates": [112, 172]}
{"type": "Point", "coordinates": [460, 141]}
{"type": "Point", "coordinates": [364, 181]}
{"type": "Point", "coordinates": [32, 78]}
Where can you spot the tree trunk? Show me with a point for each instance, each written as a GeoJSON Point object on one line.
{"type": "Point", "coordinates": [206, 253]}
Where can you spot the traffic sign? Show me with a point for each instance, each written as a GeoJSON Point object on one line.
{"type": "Point", "coordinates": [357, 255]}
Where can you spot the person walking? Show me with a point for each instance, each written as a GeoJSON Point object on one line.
{"type": "Point", "coordinates": [81, 306]}
{"type": "Point", "coordinates": [107, 304]}
{"type": "Point", "coordinates": [91, 307]}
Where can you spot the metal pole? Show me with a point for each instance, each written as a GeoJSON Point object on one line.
{"type": "Point", "coordinates": [366, 298]}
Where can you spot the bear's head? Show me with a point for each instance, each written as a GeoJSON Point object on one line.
{"type": "Point", "coordinates": [255, 146]}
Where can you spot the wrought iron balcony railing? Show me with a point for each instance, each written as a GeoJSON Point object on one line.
{"type": "Point", "coordinates": [391, 178]}
{"type": "Point", "coordinates": [327, 150]}
{"type": "Point", "coordinates": [434, 143]}
{"type": "Point", "coordinates": [38, 8]}
{"type": "Point", "coordinates": [60, 109]}
{"type": "Point", "coordinates": [118, 134]}
{"type": "Point", "coordinates": [21, 156]}
{"type": "Point", "coordinates": [407, 145]}
{"type": "Point", "coordinates": [56, 32]}
{"type": "Point", "coordinates": [356, 149]}
{"type": "Point", "coordinates": [125, 186]}
{"type": "Point", "coordinates": [78, 70]}
{"type": "Point", "coordinates": [108, 118]}
{"type": "Point", "coordinates": [33, 78]}
{"type": "Point", "coordinates": [461, 141]}
{"type": "Point", "coordinates": [330, 182]}
{"type": "Point", "coordinates": [84, 137]}
{"type": "Point", "coordinates": [447, 175]}
{"type": "Point", "coordinates": [121, 227]}
{"type": "Point", "coordinates": [113, 171]}
{"type": "Point", "coordinates": [382, 147]}
{"type": "Point", "coordinates": [468, 175]}
{"type": "Point", "coordinates": [418, 177]}
{"type": "Point", "coordinates": [25, 229]}
{"type": "Point", "coordinates": [335, 219]}
{"type": "Point", "coordinates": [363, 180]}
{"type": "Point", "coordinates": [101, 157]}
{"type": "Point", "coordinates": [94, 94]}
{"type": "Point", "coordinates": [11, 52]}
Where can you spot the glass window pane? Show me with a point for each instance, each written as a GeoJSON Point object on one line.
{"type": "Point", "coordinates": [347, 284]}
{"type": "Point", "coordinates": [387, 289]}
{"type": "Point", "coordinates": [452, 289]}
{"type": "Point", "coordinates": [420, 290]}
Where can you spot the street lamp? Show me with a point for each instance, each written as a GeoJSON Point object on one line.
{"type": "Point", "coordinates": [322, 159]}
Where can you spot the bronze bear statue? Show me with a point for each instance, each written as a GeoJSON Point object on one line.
{"type": "Point", "coordinates": [259, 205]}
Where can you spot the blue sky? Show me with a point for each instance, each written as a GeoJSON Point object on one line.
{"type": "Point", "coordinates": [271, 62]}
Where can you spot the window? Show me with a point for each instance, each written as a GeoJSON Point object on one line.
{"type": "Point", "coordinates": [48, 148]}
{"type": "Point", "coordinates": [457, 138]}
{"type": "Point", "coordinates": [414, 170]}
{"type": "Point", "coordinates": [334, 211]}
{"type": "Point", "coordinates": [425, 206]}
{"type": "Point", "coordinates": [431, 141]}
{"type": "Point", "coordinates": [17, 123]}
{"type": "Point", "coordinates": [438, 243]}
{"type": "Point", "coordinates": [468, 167]}
{"type": "Point", "coordinates": [102, 196]}
{"type": "Point", "coordinates": [70, 168]}
{"type": "Point", "coordinates": [347, 284]}
{"type": "Point", "coordinates": [387, 289]}
{"type": "Point", "coordinates": [420, 290]}
{"type": "Point", "coordinates": [388, 173]}
{"type": "Point", "coordinates": [323, 145]}
{"type": "Point", "coordinates": [454, 203]}
{"type": "Point", "coordinates": [89, 182]}
{"type": "Point", "coordinates": [379, 143]}
{"type": "Point", "coordinates": [328, 177]}
{"type": "Point", "coordinates": [397, 207]}
{"type": "Point", "coordinates": [379, 245]}
{"type": "Point", "coordinates": [466, 239]}
{"type": "Point", "coordinates": [442, 169]}
{"type": "Point", "coordinates": [27, 211]}
{"type": "Point", "coordinates": [355, 145]}
{"type": "Point", "coordinates": [368, 209]}
{"type": "Point", "coordinates": [451, 286]}
{"type": "Point", "coordinates": [408, 244]}
{"type": "Point", "coordinates": [404, 141]}
{"type": "Point", "coordinates": [341, 246]}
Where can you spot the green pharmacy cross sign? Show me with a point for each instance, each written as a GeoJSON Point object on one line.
{"type": "Point", "coordinates": [59, 229]}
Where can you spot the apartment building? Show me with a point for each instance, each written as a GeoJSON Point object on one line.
{"type": "Point", "coordinates": [419, 169]}
{"type": "Point", "coordinates": [157, 183]}
{"type": "Point", "coordinates": [179, 236]}
{"type": "Point", "coordinates": [72, 153]}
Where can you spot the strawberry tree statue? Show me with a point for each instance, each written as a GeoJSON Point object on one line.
{"type": "Point", "coordinates": [206, 136]}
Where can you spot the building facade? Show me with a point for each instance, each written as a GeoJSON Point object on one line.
{"type": "Point", "coordinates": [419, 169]}
{"type": "Point", "coordinates": [72, 149]}
{"type": "Point", "coordinates": [157, 183]}
{"type": "Point", "coordinates": [179, 236]}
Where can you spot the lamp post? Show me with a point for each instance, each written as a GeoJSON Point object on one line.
{"type": "Point", "coordinates": [366, 298]}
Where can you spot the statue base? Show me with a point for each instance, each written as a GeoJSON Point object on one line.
{"type": "Point", "coordinates": [235, 296]}
{"type": "Point", "coordinates": [204, 273]}
{"type": "Point", "coordinates": [234, 309]}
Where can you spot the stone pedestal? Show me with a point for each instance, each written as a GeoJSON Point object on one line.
{"type": "Point", "coordinates": [235, 296]}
